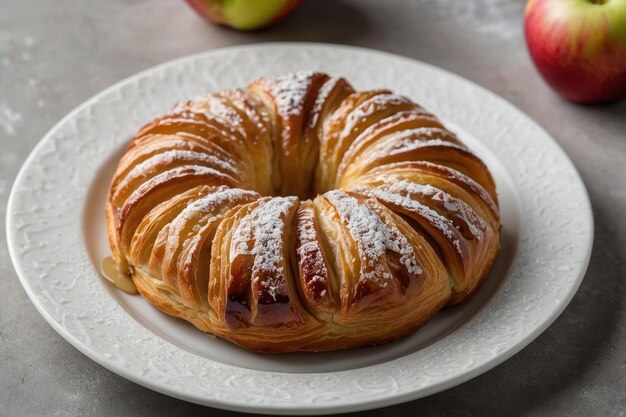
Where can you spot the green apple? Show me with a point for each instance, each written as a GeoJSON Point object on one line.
{"type": "Point", "coordinates": [244, 14]}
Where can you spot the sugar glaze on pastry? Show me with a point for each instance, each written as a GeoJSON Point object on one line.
{"type": "Point", "coordinates": [301, 215]}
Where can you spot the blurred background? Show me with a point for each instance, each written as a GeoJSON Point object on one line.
{"type": "Point", "coordinates": [55, 55]}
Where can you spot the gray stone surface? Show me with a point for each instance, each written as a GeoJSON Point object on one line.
{"type": "Point", "coordinates": [54, 55]}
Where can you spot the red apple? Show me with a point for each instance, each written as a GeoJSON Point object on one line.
{"type": "Point", "coordinates": [244, 14]}
{"type": "Point", "coordinates": [579, 46]}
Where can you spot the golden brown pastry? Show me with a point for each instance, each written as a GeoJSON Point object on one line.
{"type": "Point", "coordinates": [299, 214]}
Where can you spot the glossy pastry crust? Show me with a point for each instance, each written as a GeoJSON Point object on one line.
{"type": "Point", "coordinates": [300, 214]}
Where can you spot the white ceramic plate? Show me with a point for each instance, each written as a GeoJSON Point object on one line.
{"type": "Point", "coordinates": [56, 236]}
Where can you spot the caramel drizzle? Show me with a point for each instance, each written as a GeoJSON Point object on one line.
{"type": "Point", "coordinates": [117, 277]}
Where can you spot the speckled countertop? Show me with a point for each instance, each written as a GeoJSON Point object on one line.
{"type": "Point", "coordinates": [54, 55]}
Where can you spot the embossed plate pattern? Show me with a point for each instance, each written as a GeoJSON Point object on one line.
{"type": "Point", "coordinates": [54, 232]}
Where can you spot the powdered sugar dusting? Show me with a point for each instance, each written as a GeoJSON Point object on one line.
{"type": "Point", "coordinates": [371, 106]}
{"type": "Point", "coordinates": [181, 156]}
{"type": "Point", "coordinates": [402, 194]}
{"type": "Point", "coordinates": [289, 92]}
{"type": "Point", "coordinates": [220, 108]}
{"type": "Point", "coordinates": [425, 134]}
{"type": "Point", "coordinates": [212, 106]}
{"type": "Point", "coordinates": [320, 100]}
{"type": "Point", "coordinates": [415, 114]}
{"type": "Point", "coordinates": [470, 183]}
{"type": "Point", "coordinates": [412, 139]}
{"type": "Point", "coordinates": [212, 109]}
{"type": "Point", "coordinates": [261, 234]}
{"type": "Point", "coordinates": [372, 235]}
{"type": "Point", "coordinates": [241, 101]}
{"type": "Point", "coordinates": [408, 145]}
{"type": "Point", "coordinates": [378, 130]}
{"type": "Point", "coordinates": [182, 171]}
{"type": "Point", "coordinates": [213, 204]}
{"type": "Point", "coordinates": [455, 207]}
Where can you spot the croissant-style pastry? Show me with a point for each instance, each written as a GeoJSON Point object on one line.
{"type": "Point", "coordinates": [301, 215]}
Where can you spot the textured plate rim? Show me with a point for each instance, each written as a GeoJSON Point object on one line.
{"type": "Point", "coordinates": [375, 400]}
